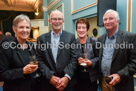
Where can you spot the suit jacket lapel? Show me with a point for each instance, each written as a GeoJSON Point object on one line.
{"type": "Point", "coordinates": [118, 42]}
{"type": "Point", "coordinates": [48, 41]}
{"type": "Point", "coordinates": [21, 57]}
{"type": "Point", "coordinates": [62, 39]}
{"type": "Point", "coordinates": [48, 48]}
{"type": "Point", "coordinates": [102, 45]}
{"type": "Point", "coordinates": [19, 53]}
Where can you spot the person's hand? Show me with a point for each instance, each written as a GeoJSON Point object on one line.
{"type": "Point", "coordinates": [88, 62]}
{"type": "Point", "coordinates": [54, 80]}
{"type": "Point", "coordinates": [115, 79]}
{"type": "Point", "coordinates": [28, 69]}
{"type": "Point", "coordinates": [80, 60]}
{"type": "Point", "coordinates": [63, 83]}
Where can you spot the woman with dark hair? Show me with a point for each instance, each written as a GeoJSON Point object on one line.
{"type": "Point", "coordinates": [15, 68]}
{"type": "Point", "coordinates": [87, 58]}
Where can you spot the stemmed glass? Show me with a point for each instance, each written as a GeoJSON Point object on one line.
{"type": "Point", "coordinates": [85, 57]}
{"type": "Point", "coordinates": [34, 61]}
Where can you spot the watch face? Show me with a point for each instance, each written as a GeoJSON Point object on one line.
{"type": "Point", "coordinates": [95, 32]}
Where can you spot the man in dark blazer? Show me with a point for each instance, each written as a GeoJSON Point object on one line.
{"type": "Point", "coordinates": [117, 61]}
{"type": "Point", "coordinates": [58, 61]}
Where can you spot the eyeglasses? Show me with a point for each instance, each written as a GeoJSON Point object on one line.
{"type": "Point", "coordinates": [55, 19]}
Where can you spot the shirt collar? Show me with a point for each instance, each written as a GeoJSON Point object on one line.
{"type": "Point", "coordinates": [114, 35]}
{"type": "Point", "coordinates": [52, 33]}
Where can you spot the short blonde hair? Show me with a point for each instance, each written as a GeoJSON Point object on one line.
{"type": "Point", "coordinates": [19, 18]}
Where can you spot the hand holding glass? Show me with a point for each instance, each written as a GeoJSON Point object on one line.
{"type": "Point", "coordinates": [34, 62]}
{"type": "Point", "coordinates": [85, 56]}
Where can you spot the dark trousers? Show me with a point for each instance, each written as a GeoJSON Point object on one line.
{"type": "Point", "coordinates": [46, 86]}
{"type": "Point", "coordinates": [84, 83]}
{"type": "Point", "coordinates": [86, 86]}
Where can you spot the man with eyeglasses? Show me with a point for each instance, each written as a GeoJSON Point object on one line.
{"type": "Point", "coordinates": [58, 62]}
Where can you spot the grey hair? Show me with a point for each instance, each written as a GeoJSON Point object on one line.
{"type": "Point", "coordinates": [115, 12]}
{"type": "Point", "coordinates": [19, 18]}
{"type": "Point", "coordinates": [8, 33]}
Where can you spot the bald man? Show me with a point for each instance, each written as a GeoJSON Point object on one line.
{"type": "Point", "coordinates": [58, 62]}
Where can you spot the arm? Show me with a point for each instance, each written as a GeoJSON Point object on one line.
{"type": "Point", "coordinates": [128, 71]}
{"type": "Point", "coordinates": [71, 67]}
{"type": "Point", "coordinates": [7, 73]}
{"type": "Point", "coordinates": [47, 73]}
{"type": "Point", "coordinates": [95, 59]}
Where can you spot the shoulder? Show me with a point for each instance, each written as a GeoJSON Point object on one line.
{"type": "Point", "coordinates": [7, 47]}
{"type": "Point", "coordinates": [43, 35]}
{"type": "Point", "coordinates": [127, 35]}
{"type": "Point", "coordinates": [77, 40]}
{"type": "Point", "coordinates": [102, 36]}
{"type": "Point", "coordinates": [29, 43]}
{"type": "Point", "coordinates": [92, 38]}
{"type": "Point", "coordinates": [67, 33]}
{"type": "Point", "coordinates": [7, 38]}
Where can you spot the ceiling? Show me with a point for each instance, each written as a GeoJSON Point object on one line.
{"type": "Point", "coordinates": [20, 5]}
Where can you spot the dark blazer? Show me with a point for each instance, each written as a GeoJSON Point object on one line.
{"type": "Point", "coordinates": [93, 56]}
{"type": "Point", "coordinates": [123, 60]}
{"type": "Point", "coordinates": [87, 81]}
{"type": "Point", "coordinates": [2, 36]}
{"type": "Point", "coordinates": [66, 57]}
{"type": "Point", "coordinates": [12, 62]}
{"type": "Point", "coordinates": [6, 39]}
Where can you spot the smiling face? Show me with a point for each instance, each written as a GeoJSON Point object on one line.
{"type": "Point", "coordinates": [81, 30]}
{"type": "Point", "coordinates": [22, 30]}
{"type": "Point", "coordinates": [56, 21]}
{"type": "Point", "coordinates": [110, 22]}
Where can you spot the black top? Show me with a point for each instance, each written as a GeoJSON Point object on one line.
{"type": "Point", "coordinates": [12, 61]}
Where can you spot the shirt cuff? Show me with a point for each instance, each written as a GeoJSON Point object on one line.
{"type": "Point", "coordinates": [68, 76]}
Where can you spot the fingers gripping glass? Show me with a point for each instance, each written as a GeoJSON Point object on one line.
{"type": "Point", "coordinates": [85, 56]}
{"type": "Point", "coordinates": [34, 61]}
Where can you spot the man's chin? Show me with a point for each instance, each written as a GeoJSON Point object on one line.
{"type": "Point", "coordinates": [57, 29]}
{"type": "Point", "coordinates": [108, 28]}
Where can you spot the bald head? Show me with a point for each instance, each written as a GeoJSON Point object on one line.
{"type": "Point", "coordinates": [56, 12]}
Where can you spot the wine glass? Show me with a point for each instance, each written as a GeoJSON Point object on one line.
{"type": "Point", "coordinates": [34, 61]}
{"type": "Point", "coordinates": [85, 56]}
